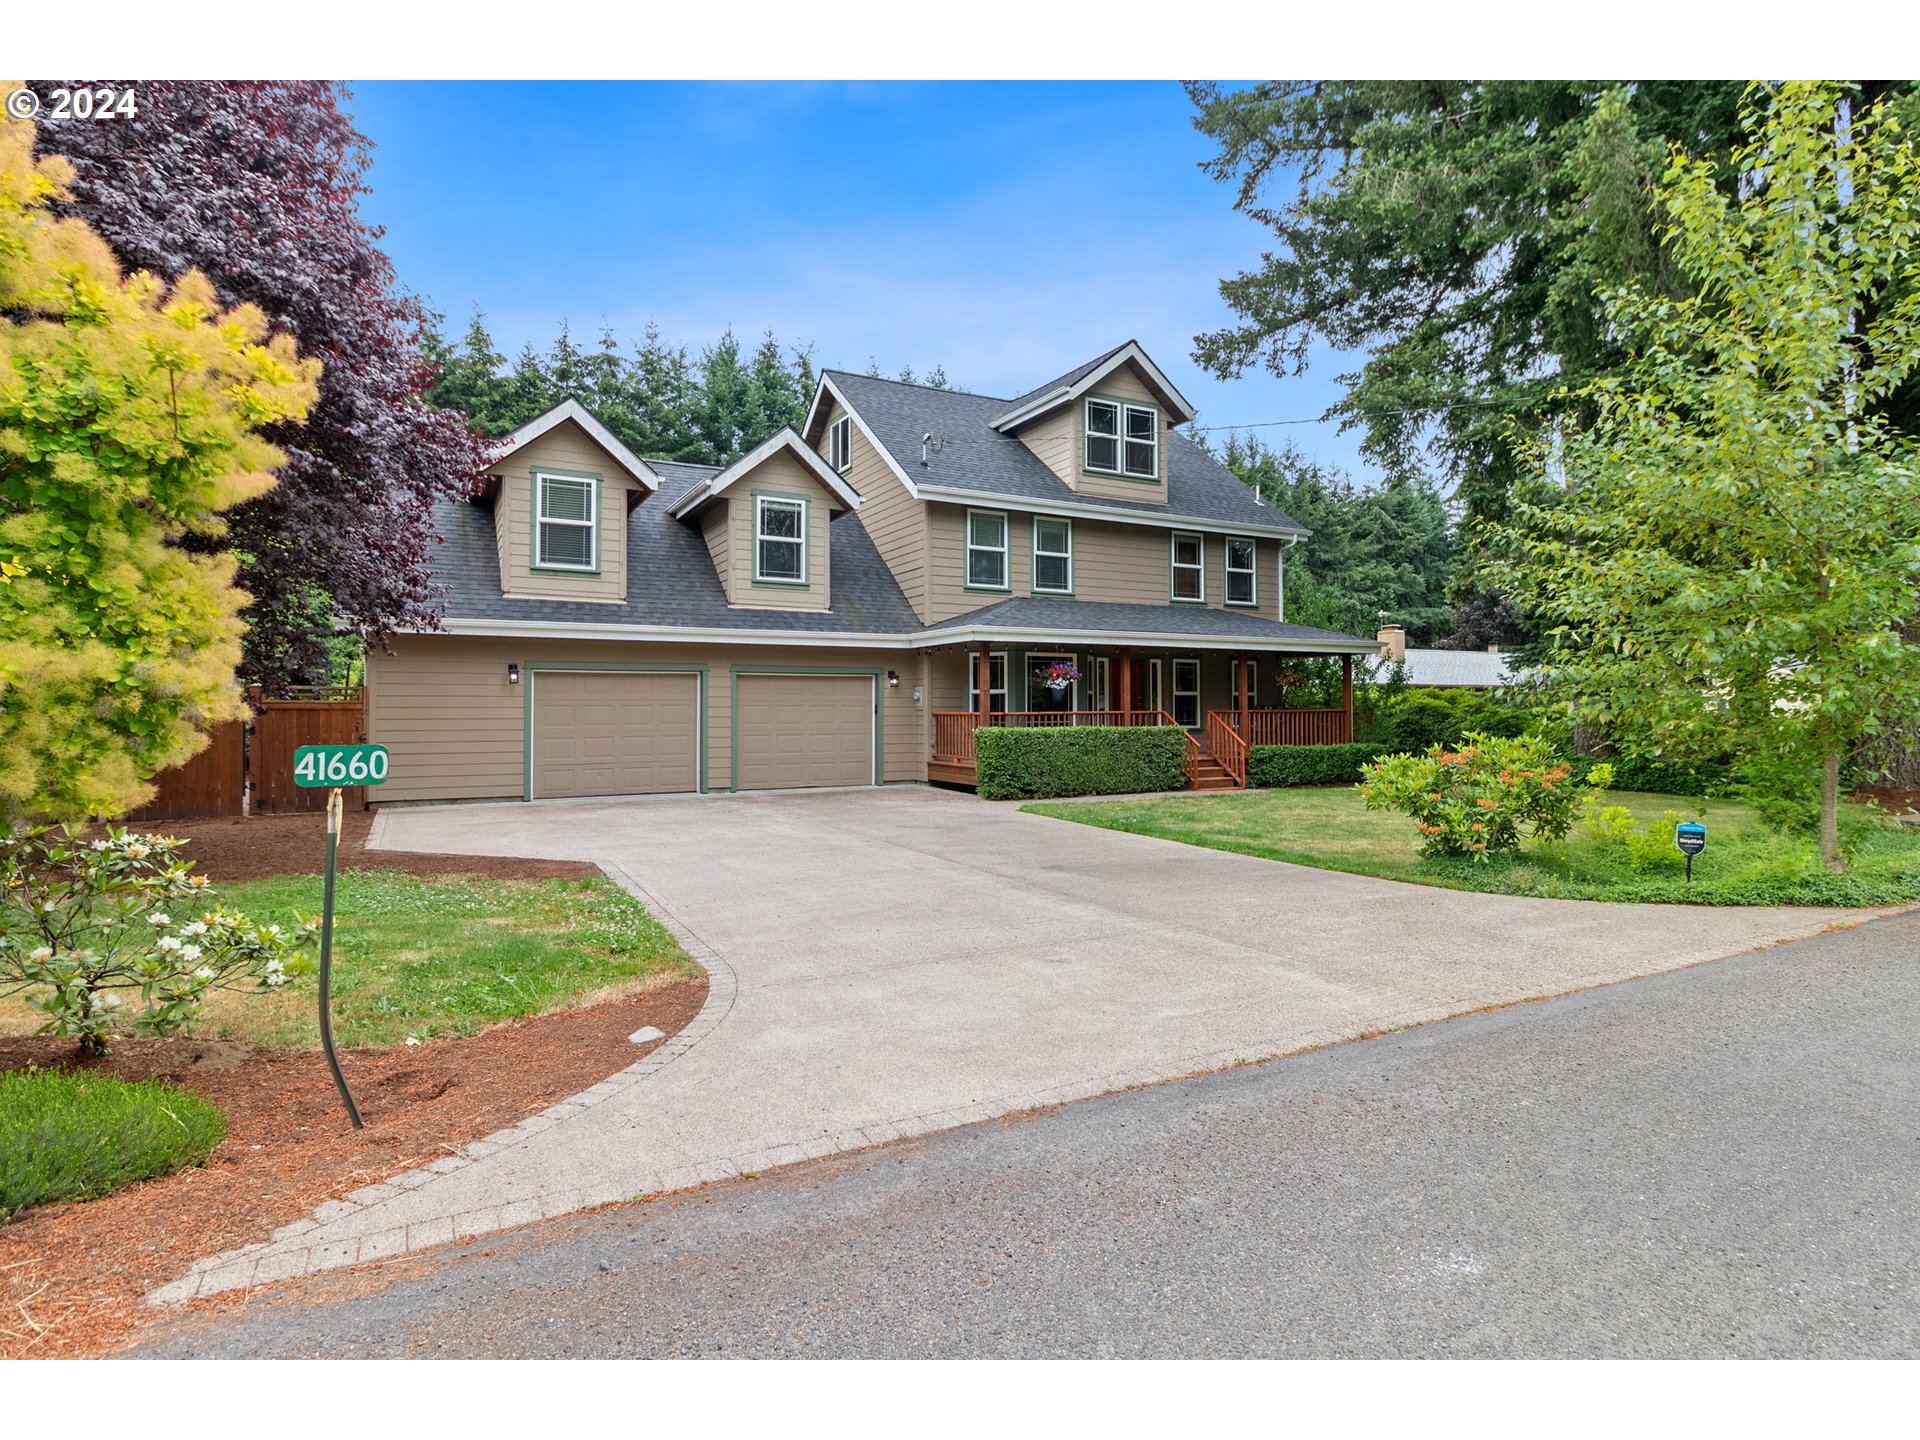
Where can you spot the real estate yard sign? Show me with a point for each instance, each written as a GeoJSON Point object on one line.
{"type": "Point", "coordinates": [329, 767]}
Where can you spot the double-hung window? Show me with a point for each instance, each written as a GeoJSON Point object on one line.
{"type": "Point", "coordinates": [1122, 439]}
{"type": "Point", "coordinates": [779, 540]}
{"type": "Point", "coordinates": [1243, 581]}
{"type": "Point", "coordinates": [1189, 568]}
{"type": "Point", "coordinates": [986, 550]}
{"type": "Point", "coordinates": [996, 682]}
{"type": "Point", "coordinates": [1186, 693]}
{"type": "Point", "coordinates": [1141, 460]}
{"type": "Point", "coordinates": [840, 444]}
{"type": "Point", "coordinates": [1052, 556]}
{"type": "Point", "coordinates": [567, 529]}
{"type": "Point", "coordinates": [1253, 685]}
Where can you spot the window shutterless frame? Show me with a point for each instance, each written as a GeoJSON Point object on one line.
{"type": "Point", "coordinates": [1052, 556]}
{"type": "Point", "coordinates": [1140, 454]}
{"type": "Point", "coordinates": [1253, 685]}
{"type": "Point", "coordinates": [1243, 572]}
{"type": "Point", "coordinates": [996, 682]}
{"type": "Point", "coordinates": [566, 521]}
{"type": "Point", "coordinates": [1187, 564]}
{"type": "Point", "coordinates": [1186, 693]}
{"type": "Point", "coordinates": [779, 540]}
{"type": "Point", "coordinates": [840, 444]}
{"type": "Point", "coordinates": [987, 550]}
{"type": "Point", "coordinates": [1100, 450]}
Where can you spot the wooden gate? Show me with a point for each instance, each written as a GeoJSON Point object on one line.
{"type": "Point", "coordinates": [316, 715]}
{"type": "Point", "coordinates": [214, 782]}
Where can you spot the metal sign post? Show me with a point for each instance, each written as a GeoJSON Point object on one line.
{"type": "Point", "coordinates": [1691, 837]}
{"type": "Point", "coordinates": [315, 767]}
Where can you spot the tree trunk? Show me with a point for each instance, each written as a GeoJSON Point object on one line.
{"type": "Point", "coordinates": [1830, 815]}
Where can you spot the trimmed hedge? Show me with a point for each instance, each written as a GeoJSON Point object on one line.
{"type": "Point", "coordinates": [1270, 765]}
{"type": "Point", "coordinates": [1662, 777]}
{"type": "Point", "coordinates": [1043, 763]}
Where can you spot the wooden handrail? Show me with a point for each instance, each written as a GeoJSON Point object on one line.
{"type": "Point", "coordinates": [1226, 746]}
{"type": "Point", "coordinates": [1292, 727]}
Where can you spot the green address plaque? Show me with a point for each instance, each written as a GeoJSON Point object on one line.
{"type": "Point", "coordinates": [318, 767]}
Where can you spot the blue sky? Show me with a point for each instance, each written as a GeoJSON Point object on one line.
{"type": "Point", "coordinates": [1004, 231]}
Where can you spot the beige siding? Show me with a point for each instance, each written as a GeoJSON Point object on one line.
{"type": "Point", "coordinates": [1128, 564]}
{"type": "Point", "coordinates": [719, 539]}
{"type": "Point", "coordinates": [893, 518]}
{"type": "Point", "coordinates": [565, 447]}
{"type": "Point", "coordinates": [457, 729]}
{"type": "Point", "coordinates": [782, 474]}
{"type": "Point", "coordinates": [1057, 439]}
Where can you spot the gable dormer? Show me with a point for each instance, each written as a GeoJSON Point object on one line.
{"type": "Point", "coordinates": [766, 520]}
{"type": "Point", "coordinates": [561, 489]}
{"type": "Point", "coordinates": [1102, 428]}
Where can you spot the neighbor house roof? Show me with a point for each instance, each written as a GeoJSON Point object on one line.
{"type": "Point", "coordinates": [975, 463]}
{"type": "Point", "coordinates": [1453, 668]}
{"type": "Point", "coordinates": [1105, 621]}
{"type": "Point", "coordinates": [670, 576]}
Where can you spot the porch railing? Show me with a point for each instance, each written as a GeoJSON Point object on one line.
{"type": "Point", "coordinates": [1226, 747]}
{"type": "Point", "coordinates": [1292, 727]}
{"type": "Point", "coordinates": [953, 729]}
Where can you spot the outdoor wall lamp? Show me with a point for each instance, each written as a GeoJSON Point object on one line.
{"type": "Point", "coordinates": [513, 672]}
{"type": "Point", "coordinates": [893, 679]}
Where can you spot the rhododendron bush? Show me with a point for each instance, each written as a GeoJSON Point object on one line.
{"type": "Point", "coordinates": [117, 935]}
{"type": "Point", "coordinates": [1480, 798]}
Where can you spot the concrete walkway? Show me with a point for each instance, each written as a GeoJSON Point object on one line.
{"type": "Point", "coordinates": [892, 963]}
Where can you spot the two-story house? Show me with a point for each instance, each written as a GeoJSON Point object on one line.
{"type": "Point", "coordinates": [849, 602]}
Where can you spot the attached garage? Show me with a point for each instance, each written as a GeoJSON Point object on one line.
{"type": "Point", "coordinates": [610, 732]}
{"type": "Point", "coordinates": [798, 731]}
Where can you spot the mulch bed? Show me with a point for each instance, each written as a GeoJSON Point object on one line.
{"type": "Point", "coordinates": [72, 1276]}
{"type": "Point", "coordinates": [1894, 801]}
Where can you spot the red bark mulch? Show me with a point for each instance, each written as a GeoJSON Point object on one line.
{"type": "Point", "coordinates": [72, 1276]}
{"type": "Point", "coordinates": [1894, 801]}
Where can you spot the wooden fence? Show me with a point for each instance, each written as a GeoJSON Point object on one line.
{"type": "Point", "coordinates": [260, 754]}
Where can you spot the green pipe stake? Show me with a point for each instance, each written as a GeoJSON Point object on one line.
{"type": "Point", "coordinates": [326, 958]}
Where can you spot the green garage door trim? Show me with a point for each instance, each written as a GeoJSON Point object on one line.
{"type": "Point", "coordinates": [531, 667]}
{"type": "Point", "coordinates": [733, 710]}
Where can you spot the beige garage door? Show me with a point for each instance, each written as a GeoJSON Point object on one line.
{"type": "Point", "coordinates": [799, 730]}
{"type": "Point", "coordinates": [613, 733]}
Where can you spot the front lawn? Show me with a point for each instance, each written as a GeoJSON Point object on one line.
{"type": "Point", "coordinates": [1745, 863]}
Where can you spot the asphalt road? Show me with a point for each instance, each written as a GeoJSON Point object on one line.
{"type": "Point", "coordinates": [1720, 1161]}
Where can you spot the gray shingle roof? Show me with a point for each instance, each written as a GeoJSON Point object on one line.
{"type": "Point", "coordinates": [1072, 377]}
{"type": "Point", "coordinates": [670, 574]}
{"type": "Point", "coordinates": [1032, 613]}
{"type": "Point", "coordinates": [974, 456]}
{"type": "Point", "coordinates": [1453, 667]}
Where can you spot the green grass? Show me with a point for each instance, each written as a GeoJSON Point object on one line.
{"type": "Point", "coordinates": [1745, 863]}
{"type": "Point", "coordinates": [67, 1136]}
{"type": "Point", "coordinates": [431, 958]}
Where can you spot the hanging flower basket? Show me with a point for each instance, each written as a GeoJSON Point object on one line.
{"type": "Point", "coordinates": [1057, 676]}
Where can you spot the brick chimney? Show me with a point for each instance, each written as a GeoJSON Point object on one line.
{"type": "Point", "coordinates": [1493, 649]}
{"type": "Point", "coordinates": [1393, 642]}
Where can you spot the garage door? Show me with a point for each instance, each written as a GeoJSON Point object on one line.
{"type": "Point", "coordinates": [800, 730]}
{"type": "Point", "coordinates": [609, 733]}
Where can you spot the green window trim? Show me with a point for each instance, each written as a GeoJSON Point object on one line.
{"type": "Point", "coordinates": [541, 473]}
{"type": "Point", "coordinates": [775, 582]}
{"type": "Point", "coordinates": [1034, 587]}
{"type": "Point", "coordinates": [1121, 408]}
{"type": "Point", "coordinates": [877, 675]}
{"type": "Point", "coordinates": [1229, 570]}
{"type": "Point", "coordinates": [1004, 550]}
{"type": "Point", "coordinates": [1175, 567]}
{"type": "Point", "coordinates": [530, 668]}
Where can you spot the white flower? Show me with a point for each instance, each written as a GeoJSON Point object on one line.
{"type": "Point", "coordinates": [168, 943]}
{"type": "Point", "coordinates": [196, 927]}
{"type": "Point", "coordinates": [159, 918]}
{"type": "Point", "coordinates": [40, 956]}
{"type": "Point", "coordinates": [273, 929]}
{"type": "Point", "coordinates": [138, 852]}
{"type": "Point", "coordinates": [102, 1001]}
{"type": "Point", "coordinates": [189, 953]}
{"type": "Point", "coordinates": [204, 972]}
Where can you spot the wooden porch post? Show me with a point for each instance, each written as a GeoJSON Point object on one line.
{"type": "Point", "coordinates": [1126, 681]}
{"type": "Point", "coordinates": [1242, 704]}
{"type": "Point", "coordinates": [986, 682]}
{"type": "Point", "coordinates": [1346, 699]}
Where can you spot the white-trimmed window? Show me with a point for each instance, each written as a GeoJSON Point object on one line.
{"type": "Point", "coordinates": [840, 444]}
{"type": "Point", "coordinates": [1102, 683]}
{"type": "Point", "coordinates": [1103, 437]}
{"type": "Point", "coordinates": [779, 540]}
{"type": "Point", "coordinates": [1156, 698]}
{"type": "Point", "coordinates": [996, 682]}
{"type": "Point", "coordinates": [1243, 575]}
{"type": "Point", "coordinates": [1186, 693]}
{"type": "Point", "coordinates": [567, 532]}
{"type": "Point", "coordinates": [1052, 556]}
{"type": "Point", "coordinates": [1141, 460]}
{"type": "Point", "coordinates": [1253, 685]}
{"type": "Point", "coordinates": [986, 550]}
{"type": "Point", "coordinates": [1189, 560]}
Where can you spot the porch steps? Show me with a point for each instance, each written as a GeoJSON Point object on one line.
{"type": "Point", "coordinates": [1212, 775]}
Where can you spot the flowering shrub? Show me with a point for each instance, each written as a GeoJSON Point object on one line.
{"type": "Point", "coordinates": [85, 926]}
{"type": "Point", "coordinates": [1474, 800]}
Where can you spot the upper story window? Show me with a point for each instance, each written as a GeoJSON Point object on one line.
{"type": "Point", "coordinates": [1243, 579]}
{"type": "Point", "coordinates": [840, 444]}
{"type": "Point", "coordinates": [1189, 568]}
{"type": "Point", "coordinates": [986, 550]}
{"type": "Point", "coordinates": [1052, 556]}
{"type": "Point", "coordinates": [1122, 439]}
{"type": "Point", "coordinates": [779, 540]}
{"type": "Point", "coordinates": [567, 528]}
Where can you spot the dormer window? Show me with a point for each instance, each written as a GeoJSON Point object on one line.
{"type": "Point", "coordinates": [779, 540]}
{"type": "Point", "coordinates": [1122, 439]}
{"type": "Point", "coordinates": [566, 535]}
{"type": "Point", "coordinates": [840, 444]}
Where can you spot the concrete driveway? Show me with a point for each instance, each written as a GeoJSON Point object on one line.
{"type": "Point", "coordinates": [891, 963]}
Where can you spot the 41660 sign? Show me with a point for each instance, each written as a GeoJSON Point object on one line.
{"type": "Point", "coordinates": [316, 767]}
